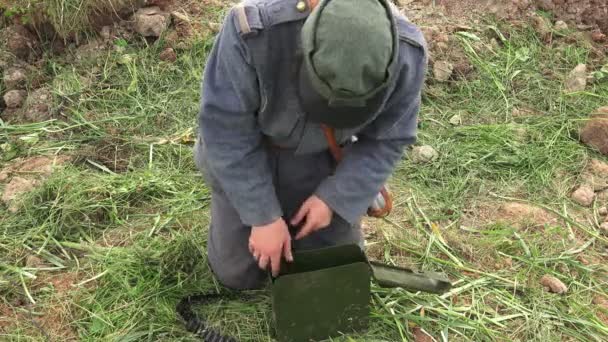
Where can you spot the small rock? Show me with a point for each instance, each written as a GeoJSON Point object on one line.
{"type": "Point", "coordinates": [561, 25]}
{"type": "Point", "coordinates": [424, 154]}
{"type": "Point", "coordinates": [583, 260]}
{"type": "Point", "coordinates": [595, 133]}
{"type": "Point", "coordinates": [542, 26]}
{"type": "Point", "coordinates": [442, 70]}
{"type": "Point", "coordinates": [15, 98]}
{"type": "Point", "coordinates": [604, 227]}
{"type": "Point", "coordinates": [14, 189]}
{"type": "Point", "coordinates": [21, 42]}
{"type": "Point", "coordinates": [577, 79]}
{"type": "Point", "coordinates": [598, 37]}
{"type": "Point", "coordinates": [596, 175]}
{"type": "Point", "coordinates": [456, 120]}
{"type": "Point", "coordinates": [603, 211]}
{"type": "Point", "coordinates": [555, 285]}
{"type": "Point", "coordinates": [168, 55]}
{"type": "Point", "coordinates": [441, 46]}
{"type": "Point", "coordinates": [33, 261]}
{"type": "Point", "coordinates": [38, 105]}
{"type": "Point", "coordinates": [584, 195]}
{"type": "Point", "coordinates": [14, 78]}
{"type": "Point", "coordinates": [151, 21]}
{"type": "Point", "coordinates": [106, 32]}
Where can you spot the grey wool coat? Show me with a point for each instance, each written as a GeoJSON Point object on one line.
{"type": "Point", "coordinates": [249, 99]}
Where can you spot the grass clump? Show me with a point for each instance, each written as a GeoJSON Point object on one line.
{"type": "Point", "coordinates": [69, 18]}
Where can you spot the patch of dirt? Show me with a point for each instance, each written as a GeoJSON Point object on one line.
{"type": "Point", "coordinates": [40, 166]}
{"type": "Point", "coordinates": [587, 12]}
{"type": "Point", "coordinates": [15, 188]}
{"type": "Point", "coordinates": [56, 320]}
{"type": "Point", "coordinates": [9, 318]}
{"type": "Point", "coordinates": [421, 335]}
{"type": "Point", "coordinates": [62, 282]}
{"type": "Point", "coordinates": [516, 214]}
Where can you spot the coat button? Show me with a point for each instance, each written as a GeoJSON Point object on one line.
{"type": "Point", "coordinates": [301, 6]}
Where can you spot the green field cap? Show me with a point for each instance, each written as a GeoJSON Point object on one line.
{"type": "Point", "coordinates": [350, 54]}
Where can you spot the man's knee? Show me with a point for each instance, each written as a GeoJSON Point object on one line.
{"type": "Point", "coordinates": [239, 275]}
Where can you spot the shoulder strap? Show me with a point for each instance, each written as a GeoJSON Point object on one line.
{"type": "Point", "coordinates": [248, 19]}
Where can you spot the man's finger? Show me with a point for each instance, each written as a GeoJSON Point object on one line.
{"type": "Point", "coordinates": [296, 220]}
{"type": "Point", "coordinates": [275, 264]}
{"type": "Point", "coordinates": [287, 250]}
{"type": "Point", "coordinates": [263, 262]}
{"type": "Point", "coordinates": [308, 228]}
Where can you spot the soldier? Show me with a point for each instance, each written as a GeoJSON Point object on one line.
{"type": "Point", "coordinates": [279, 73]}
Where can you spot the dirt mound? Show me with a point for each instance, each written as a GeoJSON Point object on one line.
{"type": "Point", "coordinates": [587, 12]}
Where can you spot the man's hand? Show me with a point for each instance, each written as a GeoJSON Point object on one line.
{"type": "Point", "coordinates": [315, 214]}
{"type": "Point", "coordinates": [269, 244]}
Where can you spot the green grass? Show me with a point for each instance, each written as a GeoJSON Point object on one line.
{"type": "Point", "coordinates": [67, 17]}
{"type": "Point", "coordinates": [129, 214]}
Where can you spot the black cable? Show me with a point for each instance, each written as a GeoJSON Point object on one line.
{"type": "Point", "coordinates": [198, 325]}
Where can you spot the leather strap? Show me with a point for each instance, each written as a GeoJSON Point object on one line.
{"type": "Point", "coordinates": [337, 153]}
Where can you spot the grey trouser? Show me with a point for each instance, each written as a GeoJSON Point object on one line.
{"type": "Point", "coordinates": [295, 179]}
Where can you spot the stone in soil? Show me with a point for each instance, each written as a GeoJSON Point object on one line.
{"type": "Point", "coordinates": [561, 25]}
{"type": "Point", "coordinates": [37, 107]}
{"type": "Point", "coordinates": [14, 78]}
{"type": "Point", "coordinates": [595, 132]}
{"type": "Point", "coordinates": [168, 55]}
{"type": "Point", "coordinates": [14, 98]}
{"type": "Point", "coordinates": [577, 79]}
{"type": "Point", "coordinates": [542, 26]}
{"type": "Point", "coordinates": [584, 195]}
{"type": "Point", "coordinates": [598, 37]}
{"type": "Point", "coordinates": [151, 21]}
{"type": "Point", "coordinates": [553, 284]}
{"type": "Point", "coordinates": [604, 227]}
{"type": "Point", "coordinates": [424, 154]}
{"type": "Point", "coordinates": [34, 261]}
{"type": "Point", "coordinates": [603, 211]}
{"type": "Point", "coordinates": [442, 70]}
{"type": "Point", "coordinates": [596, 175]}
{"type": "Point", "coordinates": [20, 42]}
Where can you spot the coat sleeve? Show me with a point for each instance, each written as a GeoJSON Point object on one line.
{"type": "Point", "coordinates": [368, 164]}
{"type": "Point", "coordinates": [235, 153]}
